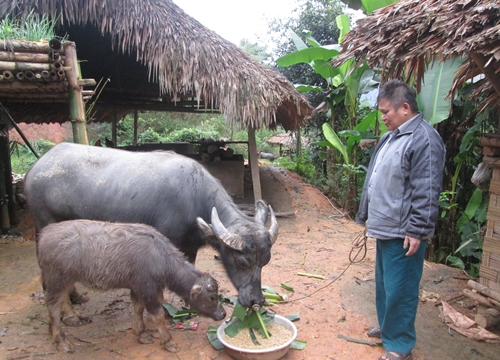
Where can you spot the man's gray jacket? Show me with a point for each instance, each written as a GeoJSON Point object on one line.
{"type": "Point", "coordinates": [405, 192]}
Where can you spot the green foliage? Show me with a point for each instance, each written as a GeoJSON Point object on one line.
{"type": "Point", "coordinates": [248, 319]}
{"type": "Point", "coordinates": [469, 225]}
{"type": "Point", "coordinates": [301, 166]}
{"type": "Point", "coordinates": [445, 202]}
{"type": "Point", "coordinates": [368, 6]}
{"type": "Point", "coordinates": [334, 142]}
{"type": "Point", "coordinates": [22, 157]}
{"type": "Point", "coordinates": [318, 17]}
{"type": "Point", "coordinates": [257, 52]}
{"type": "Point", "coordinates": [438, 80]}
{"type": "Point", "coordinates": [33, 27]}
{"type": "Point", "coordinates": [149, 136]}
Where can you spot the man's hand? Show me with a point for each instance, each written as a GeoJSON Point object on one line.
{"type": "Point", "coordinates": [413, 243]}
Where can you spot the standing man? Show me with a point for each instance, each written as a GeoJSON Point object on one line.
{"type": "Point", "coordinates": [399, 207]}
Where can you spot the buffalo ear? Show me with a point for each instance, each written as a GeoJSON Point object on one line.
{"type": "Point", "coordinates": [196, 291]}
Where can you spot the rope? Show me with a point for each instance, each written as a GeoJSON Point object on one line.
{"type": "Point", "coordinates": [359, 244]}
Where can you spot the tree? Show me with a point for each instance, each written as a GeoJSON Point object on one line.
{"type": "Point", "coordinates": [316, 17]}
{"type": "Point", "coordinates": [257, 52]}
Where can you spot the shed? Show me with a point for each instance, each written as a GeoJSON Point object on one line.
{"type": "Point", "coordinates": [406, 36]}
{"type": "Point", "coordinates": [158, 58]}
{"type": "Point", "coordinates": [287, 141]}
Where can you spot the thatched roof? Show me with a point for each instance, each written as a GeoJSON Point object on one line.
{"type": "Point", "coordinates": [159, 58]}
{"type": "Point", "coordinates": [287, 139]}
{"type": "Point", "coordinates": [404, 37]}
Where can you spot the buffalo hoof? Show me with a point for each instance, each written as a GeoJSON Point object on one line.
{"type": "Point", "coordinates": [77, 299]}
{"type": "Point", "coordinates": [171, 348]}
{"type": "Point", "coordinates": [65, 346]}
{"type": "Point", "coordinates": [145, 338]}
{"type": "Point", "coordinates": [75, 321]}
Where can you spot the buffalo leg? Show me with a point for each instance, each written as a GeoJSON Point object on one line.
{"type": "Point", "coordinates": [139, 326]}
{"type": "Point", "coordinates": [54, 301]}
{"type": "Point", "coordinates": [76, 298]}
{"type": "Point", "coordinates": [158, 314]}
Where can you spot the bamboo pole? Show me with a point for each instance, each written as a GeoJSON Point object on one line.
{"type": "Point", "coordinates": [484, 290]}
{"type": "Point", "coordinates": [477, 297]}
{"type": "Point", "coordinates": [87, 82]}
{"type": "Point", "coordinates": [26, 86]}
{"type": "Point", "coordinates": [25, 46]}
{"type": "Point", "coordinates": [24, 57]}
{"type": "Point", "coordinates": [36, 95]}
{"type": "Point", "coordinates": [38, 100]}
{"type": "Point", "coordinates": [76, 105]}
{"type": "Point", "coordinates": [23, 66]}
{"type": "Point", "coordinates": [7, 75]}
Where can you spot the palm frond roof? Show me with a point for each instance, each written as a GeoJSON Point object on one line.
{"type": "Point", "coordinates": [159, 58]}
{"type": "Point", "coordinates": [405, 37]}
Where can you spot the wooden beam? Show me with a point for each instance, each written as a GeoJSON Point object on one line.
{"type": "Point", "coordinates": [254, 164]}
{"type": "Point", "coordinates": [489, 72]}
{"type": "Point", "coordinates": [5, 180]}
{"type": "Point", "coordinates": [113, 127]}
{"type": "Point", "coordinates": [25, 46]}
{"type": "Point", "coordinates": [136, 121]}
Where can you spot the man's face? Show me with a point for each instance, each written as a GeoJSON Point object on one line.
{"type": "Point", "coordinates": [394, 118]}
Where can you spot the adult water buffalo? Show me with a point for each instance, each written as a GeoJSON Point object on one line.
{"type": "Point", "coordinates": [170, 192]}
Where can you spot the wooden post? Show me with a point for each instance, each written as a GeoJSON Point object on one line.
{"type": "Point", "coordinates": [299, 144]}
{"type": "Point", "coordinates": [76, 106]}
{"type": "Point", "coordinates": [113, 127]}
{"type": "Point", "coordinates": [5, 181]}
{"type": "Point", "coordinates": [254, 164]}
{"type": "Point", "coordinates": [136, 121]}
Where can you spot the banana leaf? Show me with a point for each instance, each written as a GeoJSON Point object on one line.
{"type": "Point", "coordinates": [334, 141]}
{"type": "Point", "coordinates": [438, 80]}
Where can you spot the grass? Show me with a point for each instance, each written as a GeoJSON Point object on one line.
{"type": "Point", "coordinates": [34, 27]}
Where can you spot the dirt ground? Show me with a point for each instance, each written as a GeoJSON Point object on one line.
{"type": "Point", "coordinates": [316, 240]}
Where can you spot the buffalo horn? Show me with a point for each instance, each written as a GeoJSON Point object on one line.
{"type": "Point", "coordinates": [261, 212]}
{"type": "Point", "coordinates": [195, 291]}
{"type": "Point", "coordinates": [231, 240]}
{"type": "Point", "coordinates": [273, 229]}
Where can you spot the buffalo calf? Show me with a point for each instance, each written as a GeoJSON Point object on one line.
{"type": "Point", "coordinates": [104, 255]}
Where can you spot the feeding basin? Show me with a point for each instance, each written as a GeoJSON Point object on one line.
{"type": "Point", "coordinates": [272, 353]}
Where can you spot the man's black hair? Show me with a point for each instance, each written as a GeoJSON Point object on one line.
{"type": "Point", "coordinates": [398, 92]}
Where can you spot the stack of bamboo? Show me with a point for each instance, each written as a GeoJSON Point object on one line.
{"type": "Point", "coordinates": [490, 299]}
{"type": "Point", "coordinates": [38, 71]}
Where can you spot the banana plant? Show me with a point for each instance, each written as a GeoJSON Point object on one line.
{"type": "Point", "coordinates": [345, 83]}
{"type": "Point", "coordinates": [368, 6]}
{"type": "Point", "coordinates": [438, 80]}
